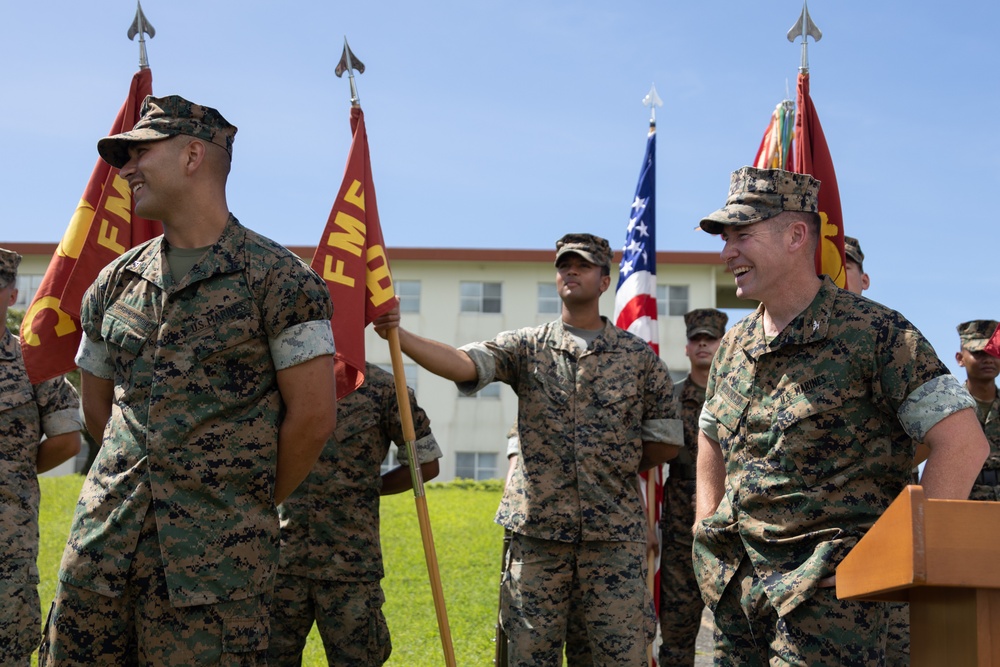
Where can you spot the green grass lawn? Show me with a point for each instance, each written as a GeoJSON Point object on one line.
{"type": "Point", "coordinates": [467, 543]}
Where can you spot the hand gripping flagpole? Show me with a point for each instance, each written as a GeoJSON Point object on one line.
{"type": "Point", "coordinates": [651, 100]}
{"type": "Point", "coordinates": [348, 63]}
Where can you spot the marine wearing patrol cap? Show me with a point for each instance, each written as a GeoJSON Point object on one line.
{"type": "Point", "coordinates": [592, 248]}
{"type": "Point", "coordinates": [852, 249]}
{"type": "Point", "coordinates": [974, 334]}
{"type": "Point", "coordinates": [9, 261]}
{"type": "Point", "coordinates": [760, 194]}
{"type": "Point", "coordinates": [706, 321]}
{"type": "Point", "coordinates": [165, 117]}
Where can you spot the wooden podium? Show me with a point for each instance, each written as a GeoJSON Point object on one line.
{"type": "Point", "coordinates": [943, 557]}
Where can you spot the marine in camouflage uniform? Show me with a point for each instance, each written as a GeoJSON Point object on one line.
{"type": "Point", "coordinates": [680, 600]}
{"type": "Point", "coordinates": [49, 409]}
{"type": "Point", "coordinates": [206, 386]}
{"type": "Point", "coordinates": [982, 370]}
{"type": "Point", "coordinates": [595, 405]}
{"type": "Point", "coordinates": [578, 653]}
{"type": "Point", "coordinates": [897, 645]}
{"type": "Point", "coordinates": [806, 437]}
{"type": "Point", "coordinates": [331, 559]}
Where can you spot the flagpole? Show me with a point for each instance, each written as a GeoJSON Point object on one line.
{"type": "Point", "coordinates": [652, 100]}
{"type": "Point", "coordinates": [348, 63]}
{"type": "Point", "coordinates": [409, 435]}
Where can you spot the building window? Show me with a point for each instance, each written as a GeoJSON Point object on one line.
{"type": "Point", "coordinates": [480, 297]}
{"type": "Point", "coordinates": [408, 292]}
{"type": "Point", "coordinates": [27, 285]}
{"type": "Point", "coordinates": [476, 465]}
{"type": "Point", "coordinates": [548, 299]}
{"type": "Point", "coordinates": [492, 390]}
{"type": "Point", "coordinates": [409, 372]}
{"type": "Point", "coordinates": [672, 300]}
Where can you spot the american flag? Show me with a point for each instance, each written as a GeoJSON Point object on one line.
{"type": "Point", "coordinates": [635, 311]}
{"type": "Point", "coordinates": [635, 296]}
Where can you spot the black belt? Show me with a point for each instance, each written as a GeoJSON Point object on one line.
{"type": "Point", "coordinates": [988, 478]}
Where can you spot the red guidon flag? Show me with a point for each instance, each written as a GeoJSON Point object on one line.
{"type": "Point", "coordinates": [993, 346]}
{"type": "Point", "coordinates": [811, 155]}
{"type": "Point", "coordinates": [101, 229]}
{"type": "Point", "coordinates": [351, 259]}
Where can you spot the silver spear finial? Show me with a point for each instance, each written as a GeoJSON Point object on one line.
{"type": "Point", "coordinates": [805, 27]}
{"type": "Point", "coordinates": [348, 63]}
{"type": "Point", "coordinates": [142, 27]}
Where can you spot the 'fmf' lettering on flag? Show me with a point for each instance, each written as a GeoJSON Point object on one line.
{"type": "Point", "coordinates": [351, 259]}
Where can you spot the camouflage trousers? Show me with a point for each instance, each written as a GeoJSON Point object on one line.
{"type": "Point", "coordinates": [897, 646]}
{"type": "Point", "coordinates": [348, 615]}
{"type": "Point", "coordinates": [820, 631]}
{"type": "Point", "coordinates": [20, 618]}
{"type": "Point", "coordinates": [985, 492]}
{"type": "Point", "coordinates": [680, 598]}
{"type": "Point", "coordinates": [545, 582]}
{"type": "Point", "coordinates": [141, 627]}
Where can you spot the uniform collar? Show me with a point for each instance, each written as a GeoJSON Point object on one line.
{"type": "Point", "coordinates": [809, 326]}
{"type": "Point", "coordinates": [225, 256]}
{"type": "Point", "coordinates": [561, 337]}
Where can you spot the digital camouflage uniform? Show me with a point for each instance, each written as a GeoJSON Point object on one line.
{"type": "Point", "coordinates": [573, 499]}
{"type": "Point", "coordinates": [27, 412]}
{"type": "Point", "coordinates": [189, 453]}
{"type": "Point", "coordinates": [989, 489]}
{"type": "Point", "coordinates": [815, 428]}
{"type": "Point", "coordinates": [974, 336]}
{"type": "Point", "coordinates": [331, 558]}
{"type": "Point", "coordinates": [577, 646]}
{"type": "Point", "coordinates": [680, 600]}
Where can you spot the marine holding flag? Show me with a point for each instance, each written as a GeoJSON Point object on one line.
{"type": "Point", "coordinates": [594, 408]}
{"type": "Point", "coordinates": [208, 380]}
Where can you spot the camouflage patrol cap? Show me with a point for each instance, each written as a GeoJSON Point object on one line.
{"type": "Point", "coordinates": [760, 194]}
{"type": "Point", "coordinates": [974, 334]}
{"type": "Point", "coordinates": [9, 261]}
{"type": "Point", "coordinates": [592, 248]}
{"type": "Point", "coordinates": [165, 117]}
{"type": "Point", "coordinates": [853, 250]}
{"type": "Point", "coordinates": [706, 321]}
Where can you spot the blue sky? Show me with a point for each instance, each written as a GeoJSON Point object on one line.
{"type": "Point", "coordinates": [506, 124]}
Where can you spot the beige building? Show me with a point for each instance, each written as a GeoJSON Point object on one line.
{"type": "Point", "coordinates": [463, 295]}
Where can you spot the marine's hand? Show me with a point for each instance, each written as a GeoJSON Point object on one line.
{"type": "Point", "coordinates": [389, 320]}
{"type": "Point", "coordinates": [652, 541]}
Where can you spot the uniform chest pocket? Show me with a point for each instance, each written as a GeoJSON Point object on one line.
{"type": "Point", "coordinates": [126, 328]}
{"type": "Point", "coordinates": [549, 386]}
{"type": "Point", "coordinates": [728, 406]}
{"type": "Point", "coordinates": [15, 393]}
{"type": "Point", "coordinates": [226, 340]}
{"type": "Point", "coordinates": [235, 358]}
{"type": "Point", "coordinates": [358, 420]}
{"type": "Point", "coordinates": [817, 437]}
